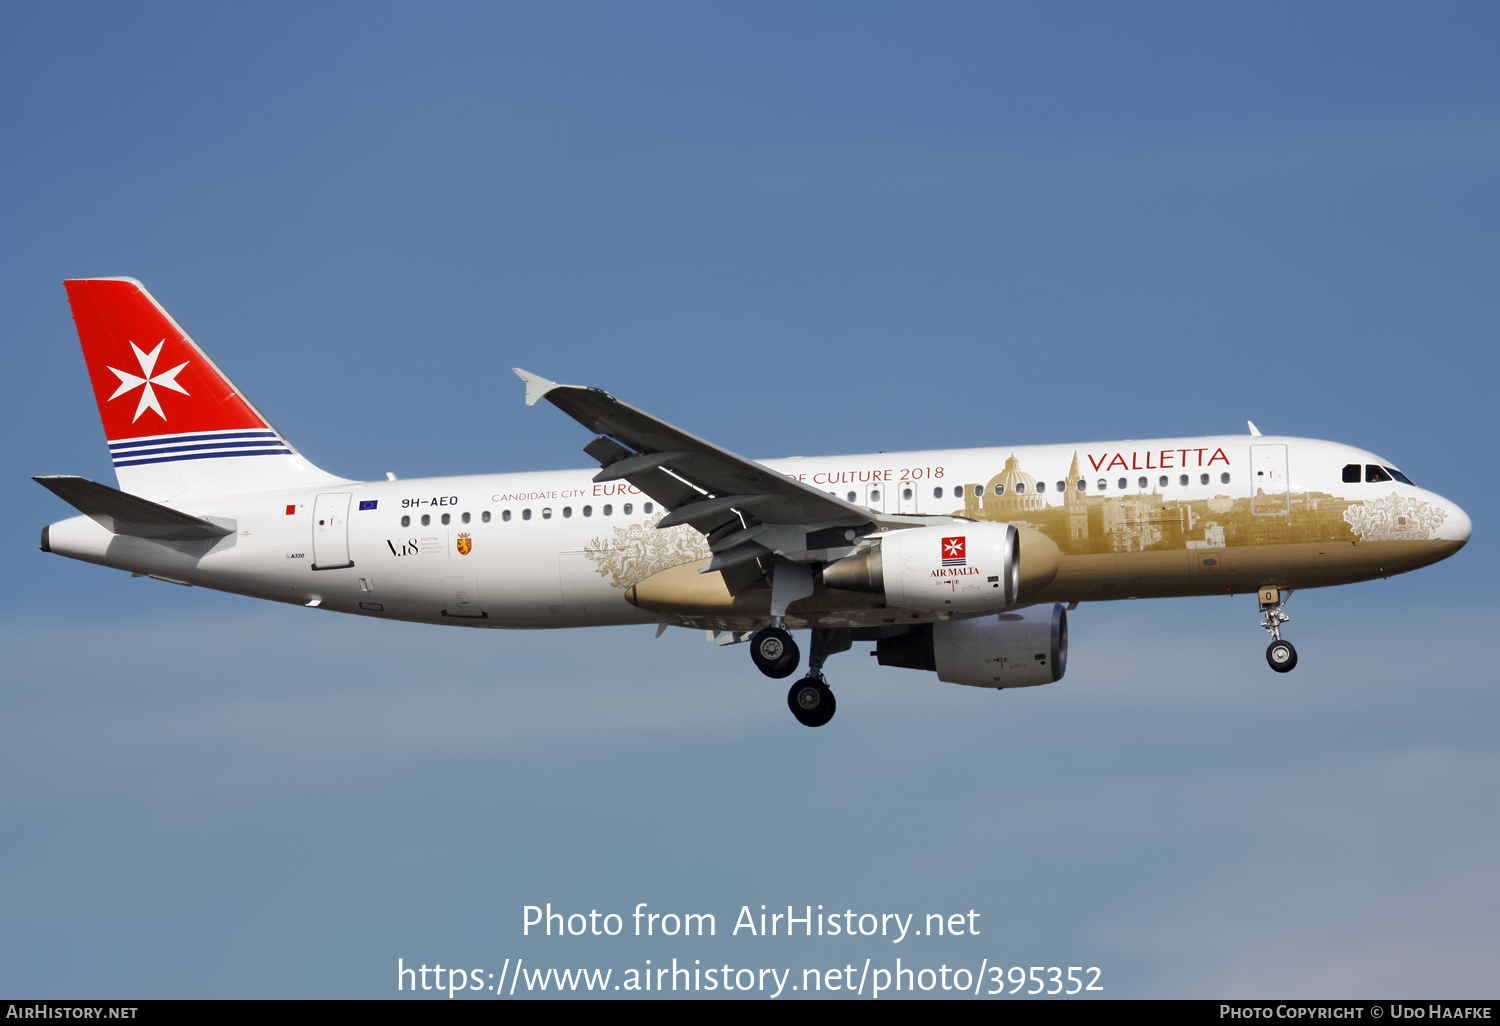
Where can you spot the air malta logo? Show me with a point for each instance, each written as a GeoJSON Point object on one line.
{"type": "Point", "coordinates": [465, 544]}
{"type": "Point", "coordinates": [148, 381]}
{"type": "Point", "coordinates": [953, 552]}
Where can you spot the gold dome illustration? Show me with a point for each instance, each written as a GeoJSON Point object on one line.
{"type": "Point", "coordinates": [1009, 493]}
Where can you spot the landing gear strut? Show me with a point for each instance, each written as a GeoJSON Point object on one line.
{"type": "Point", "coordinates": [810, 699]}
{"type": "Point", "coordinates": [1280, 654]}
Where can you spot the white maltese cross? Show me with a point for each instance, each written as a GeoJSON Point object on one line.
{"type": "Point", "coordinates": [166, 379]}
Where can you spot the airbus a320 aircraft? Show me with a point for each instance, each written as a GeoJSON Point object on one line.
{"type": "Point", "coordinates": [961, 562]}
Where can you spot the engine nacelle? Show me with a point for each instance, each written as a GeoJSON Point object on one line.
{"type": "Point", "coordinates": [959, 568]}
{"type": "Point", "coordinates": [1010, 650]}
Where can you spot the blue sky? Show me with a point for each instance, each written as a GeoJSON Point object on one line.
{"type": "Point", "coordinates": [794, 229]}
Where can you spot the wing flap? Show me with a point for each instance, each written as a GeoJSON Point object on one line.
{"type": "Point", "coordinates": [629, 465]}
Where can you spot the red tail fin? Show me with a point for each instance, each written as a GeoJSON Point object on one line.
{"type": "Point", "coordinates": [149, 377]}
{"type": "Point", "coordinates": [174, 422]}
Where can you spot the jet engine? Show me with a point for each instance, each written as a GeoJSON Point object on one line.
{"type": "Point", "coordinates": [958, 568]}
{"type": "Point", "coordinates": [1019, 649]}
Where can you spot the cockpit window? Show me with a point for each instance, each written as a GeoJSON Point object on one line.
{"type": "Point", "coordinates": [1375, 474]}
{"type": "Point", "coordinates": [1351, 473]}
{"type": "Point", "coordinates": [1399, 476]}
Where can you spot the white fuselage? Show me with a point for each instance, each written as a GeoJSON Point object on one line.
{"type": "Point", "coordinates": [555, 549]}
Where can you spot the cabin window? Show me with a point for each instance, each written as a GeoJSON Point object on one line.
{"type": "Point", "coordinates": [1203, 479]}
{"type": "Point", "coordinates": [1020, 487]}
{"type": "Point", "coordinates": [906, 494]}
{"type": "Point", "coordinates": [464, 518]}
{"type": "Point", "coordinates": [525, 514]}
{"type": "Point", "coordinates": [1399, 476]}
{"type": "Point", "coordinates": [1041, 486]}
{"type": "Point", "coordinates": [647, 507]}
{"type": "Point", "coordinates": [1351, 473]}
{"type": "Point", "coordinates": [406, 521]}
{"type": "Point", "coordinates": [937, 493]}
{"type": "Point", "coordinates": [1141, 483]}
{"type": "Point", "coordinates": [504, 516]}
{"type": "Point", "coordinates": [1162, 481]}
{"type": "Point", "coordinates": [609, 510]}
{"type": "Point", "coordinates": [627, 508]}
{"type": "Point", "coordinates": [1122, 482]}
{"type": "Point", "coordinates": [547, 513]}
{"type": "Point", "coordinates": [567, 511]}
{"type": "Point", "coordinates": [588, 511]}
{"type": "Point", "coordinates": [851, 496]}
{"type": "Point", "coordinates": [875, 495]}
{"type": "Point", "coordinates": [1224, 478]}
{"type": "Point", "coordinates": [1183, 480]}
{"type": "Point", "coordinates": [1103, 484]}
{"type": "Point", "coordinates": [447, 519]}
{"type": "Point", "coordinates": [1374, 474]}
{"type": "Point", "coordinates": [485, 516]}
{"type": "Point", "coordinates": [1082, 485]}
{"type": "Point", "coordinates": [426, 519]}
{"type": "Point", "coordinates": [999, 489]}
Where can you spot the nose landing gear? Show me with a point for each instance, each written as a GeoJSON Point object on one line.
{"type": "Point", "coordinates": [1280, 654]}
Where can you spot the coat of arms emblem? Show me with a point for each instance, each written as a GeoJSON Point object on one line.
{"type": "Point", "coordinates": [465, 544]}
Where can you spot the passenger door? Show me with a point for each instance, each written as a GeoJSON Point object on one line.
{"type": "Point", "coordinates": [331, 531]}
{"type": "Point", "coordinates": [1270, 493]}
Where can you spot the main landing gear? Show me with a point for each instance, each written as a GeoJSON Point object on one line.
{"type": "Point", "coordinates": [1280, 654]}
{"type": "Point", "coordinates": [774, 652]}
{"type": "Point", "coordinates": [776, 655]}
{"type": "Point", "coordinates": [812, 701]}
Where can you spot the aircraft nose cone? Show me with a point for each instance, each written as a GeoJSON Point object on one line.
{"type": "Point", "coordinates": [1457, 526]}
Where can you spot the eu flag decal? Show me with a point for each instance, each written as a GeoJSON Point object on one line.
{"type": "Point", "coordinates": [365, 504]}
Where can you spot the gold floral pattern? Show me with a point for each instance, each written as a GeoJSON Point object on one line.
{"type": "Point", "coordinates": [1395, 518]}
{"type": "Point", "coordinates": [636, 552]}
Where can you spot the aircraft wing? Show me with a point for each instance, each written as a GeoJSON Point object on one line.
{"type": "Point", "coordinates": [748, 511]}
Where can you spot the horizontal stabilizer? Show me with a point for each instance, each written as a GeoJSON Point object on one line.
{"type": "Point", "coordinates": [122, 513]}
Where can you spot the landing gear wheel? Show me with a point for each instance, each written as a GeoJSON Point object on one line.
{"type": "Point", "coordinates": [774, 652]}
{"type": "Point", "coordinates": [811, 702]}
{"type": "Point", "coordinates": [1281, 655]}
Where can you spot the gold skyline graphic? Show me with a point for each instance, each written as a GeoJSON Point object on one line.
{"type": "Point", "coordinates": [1088, 521]}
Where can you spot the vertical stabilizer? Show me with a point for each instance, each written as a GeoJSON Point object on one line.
{"type": "Point", "coordinates": [175, 424]}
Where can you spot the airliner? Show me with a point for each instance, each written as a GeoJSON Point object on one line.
{"type": "Point", "coordinates": [960, 562]}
